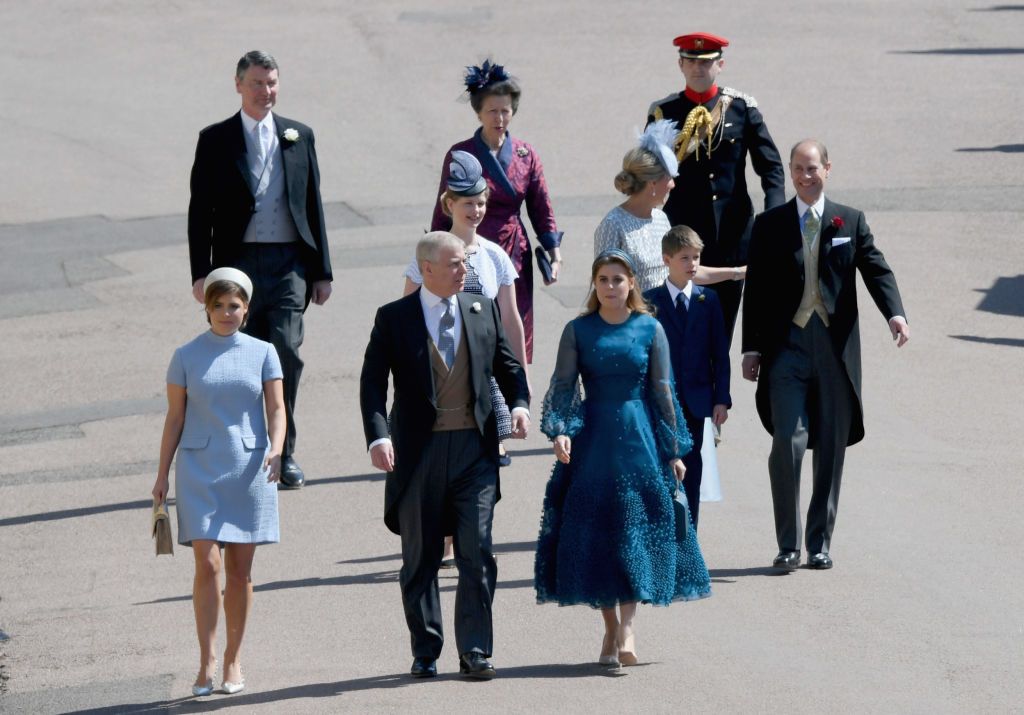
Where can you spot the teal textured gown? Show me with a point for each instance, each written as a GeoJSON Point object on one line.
{"type": "Point", "coordinates": [608, 531]}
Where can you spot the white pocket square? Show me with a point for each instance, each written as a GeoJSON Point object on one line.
{"type": "Point", "coordinates": [839, 241]}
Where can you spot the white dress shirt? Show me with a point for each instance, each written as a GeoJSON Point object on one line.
{"type": "Point", "coordinates": [674, 292]}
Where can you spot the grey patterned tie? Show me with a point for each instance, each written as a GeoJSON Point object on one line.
{"type": "Point", "coordinates": [446, 335]}
{"type": "Point", "coordinates": [811, 225]}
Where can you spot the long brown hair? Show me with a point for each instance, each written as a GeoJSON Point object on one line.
{"type": "Point", "coordinates": [634, 301]}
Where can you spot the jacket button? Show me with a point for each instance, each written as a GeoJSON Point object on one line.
{"type": "Point", "coordinates": [711, 176]}
{"type": "Point", "coordinates": [714, 197]}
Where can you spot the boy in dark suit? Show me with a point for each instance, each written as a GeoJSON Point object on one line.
{"type": "Point", "coordinates": [695, 327]}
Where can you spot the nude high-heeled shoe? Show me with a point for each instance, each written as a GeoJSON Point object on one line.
{"type": "Point", "coordinates": [206, 688]}
{"type": "Point", "coordinates": [627, 646]}
{"type": "Point", "coordinates": [609, 650]}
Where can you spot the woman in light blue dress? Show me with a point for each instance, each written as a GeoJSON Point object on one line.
{"type": "Point", "coordinates": [223, 390]}
{"type": "Point", "coordinates": [612, 534]}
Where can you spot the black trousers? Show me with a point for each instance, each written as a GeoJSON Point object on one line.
{"type": "Point", "coordinates": [454, 486]}
{"type": "Point", "coordinates": [694, 463]}
{"type": "Point", "coordinates": [275, 312]}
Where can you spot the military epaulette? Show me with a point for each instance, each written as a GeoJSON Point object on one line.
{"type": "Point", "coordinates": [736, 94]}
{"type": "Point", "coordinates": [655, 108]}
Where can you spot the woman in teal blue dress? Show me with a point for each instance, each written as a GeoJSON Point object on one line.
{"type": "Point", "coordinates": [609, 535]}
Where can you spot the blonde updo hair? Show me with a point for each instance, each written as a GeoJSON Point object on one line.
{"type": "Point", "coordinates": [639, 167]}
{"type": "Point", "coordinates": [450, 195]}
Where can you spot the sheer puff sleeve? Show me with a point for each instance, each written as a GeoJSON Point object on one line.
{"type": "Point", "coordinates": [666, 416]}
{"type": "Point", "coordinates": [563, 403]}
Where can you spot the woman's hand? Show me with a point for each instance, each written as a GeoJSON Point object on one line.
{"type": "Point", "coordinates": [160, 490]}
{"type": "Point", "coordinates": [273, 466]}
{"type": "Point", "coordinates": [678, 470]}
{"type": "Point", "coordinates": [563, 448]}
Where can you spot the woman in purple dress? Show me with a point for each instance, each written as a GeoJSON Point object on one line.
{"type": "Point", "coordinates": [514, 176]}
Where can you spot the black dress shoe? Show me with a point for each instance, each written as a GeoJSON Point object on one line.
{"type": "Point", "coordinates": [475, 665]}
{"type": "Point", "coordinates": [291, 474]}
{"type": "Point", "coordinates": [787, 560]}
{"type": "Point", "coordinates": [424, 667]}
{"type": "Point", "coordinates": [819, 561]}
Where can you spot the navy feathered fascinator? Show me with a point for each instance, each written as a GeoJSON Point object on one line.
{"type": "Point", "coordinates": [488, 73]}
{"type": "Point", "coordinates": [659, 138]}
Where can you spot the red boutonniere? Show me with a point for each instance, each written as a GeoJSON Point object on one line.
{"type": "Point", "coordinates": [837, 222]}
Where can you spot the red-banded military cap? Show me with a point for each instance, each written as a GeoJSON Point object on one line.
{"type": "Point", "coordinates": [700, 46]}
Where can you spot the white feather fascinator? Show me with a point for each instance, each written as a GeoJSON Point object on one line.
{"type": "Point", "coordinates": [659, 138]}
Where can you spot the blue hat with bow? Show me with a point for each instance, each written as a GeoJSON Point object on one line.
{"type": "Point", "coordinates": [465, 175]}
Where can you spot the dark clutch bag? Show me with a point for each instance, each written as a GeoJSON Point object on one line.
{"type": "Point", "coordinates": [162, 530]}
{"type": "Point", "coordinates": [544, 264]}
{"type": "Point", "coordinates": [682, 515]}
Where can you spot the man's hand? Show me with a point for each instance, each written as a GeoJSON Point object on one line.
{"type": "Point", "coordinates": [751, 367]}
{"type": "Point", "coordinates": [520, 424]}
{"type": "Point", "coordinates": [719, 414]}
{"type": "Point", "coordinates": [900, 330]}
{"type": "Point", "coordinates": [197, 290]}
{"type": "Point", "coordinates": [321, 292]}
{"type": "Point", "coordinates": [383, 456]}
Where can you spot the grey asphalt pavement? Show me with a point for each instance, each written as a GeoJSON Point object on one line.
{"type": "Point", "coordinates": [919, 104]}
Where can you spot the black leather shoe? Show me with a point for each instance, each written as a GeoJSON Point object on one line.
{"type": "Point", "coordinates": [787, 560]}
{"type": "Point", "coordinates": [424, 667]}
{"type": "Point", "coordinates": [819, 561]}
{"type": "Point", "coordinates": [475, 665]}
{"type": "Point", "coordinates": [291, 474]}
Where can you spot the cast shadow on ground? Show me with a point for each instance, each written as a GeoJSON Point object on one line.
{"type": "Point", "coordinates": [983, 51]}
{"type": "Point", "coordinates": [727, 575]}
{"type": "Point", "coordinates": [998, 8]}
{"type": "Point", "coordinates": [347, 479]}
{"type": "Point", "coordinates": [1007, 342]}
{"type": "Point", "coordinates": [1002, 148]}
{"type": "Point", "coordinates": [530, 452]}
{"type": "Point", "coordinates": [505, 548]}
{"type": "Point", "coordinates": [339, 688]}
{"type": "Point", "coordinates": [80, 511]}
{"type": "Point", "coordinates": [1005, 297]}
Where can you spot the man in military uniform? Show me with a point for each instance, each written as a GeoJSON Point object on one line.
{"type": "Point", "coordinates": [719, 127]}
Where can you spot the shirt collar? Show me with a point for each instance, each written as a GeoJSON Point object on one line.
{"type": "Point", "coordinates": [249, 124]}
{"type": "Point", "coordinates": [674, 292]}
{"type": "Point", "coordinates": [429, 300]}
{"type": "Point", "coordinates": [819, 206]}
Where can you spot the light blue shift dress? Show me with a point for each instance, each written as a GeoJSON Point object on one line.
{"type": "Point", "coordinates": [219, 480]}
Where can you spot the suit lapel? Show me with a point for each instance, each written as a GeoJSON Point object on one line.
{"type": "Point", "coordinates": [415, 329]}
{"type": "Point", "coordinates": [666, 305]}
{"type": "Point", "coordinates": [696, 304]}
{"type": "Point", "coordinates": [828, 232]}
{"type": "Point", "coordinates": [796, 237]}
{"type": "Point", "coordinates": [239, 150]}
{"type": "Point", "coordinates": [470, 324]}
{"type": "Point", "coordinates": [288, 153]}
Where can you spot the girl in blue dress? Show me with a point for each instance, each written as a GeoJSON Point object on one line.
{"type": "Point", "coordinates": [223, 390]}
{"type": "Point", "coordinates": [609, 535]}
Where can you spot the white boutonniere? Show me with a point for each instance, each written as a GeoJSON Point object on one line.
{"type": "Point", "coordinates": [291, 134]}
{"type": "Point", "coordinates": [522, 151]}
{"type": "Point", "coordinates": [475, 308]}
{"type": "Point", "coordinates": [700, 298]}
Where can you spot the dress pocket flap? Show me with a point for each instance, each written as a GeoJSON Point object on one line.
{"type": "Point", "coordinates": [251, 441]}
{"type": "Point", "coordinates": [194, 441]}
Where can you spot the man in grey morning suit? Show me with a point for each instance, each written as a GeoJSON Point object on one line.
{"type": "Point", "coordinates": [801, 338]}
{"type": "Point", "coordinates": [256, 206]}
{"type": "Point", "coordinates": [440, 448]}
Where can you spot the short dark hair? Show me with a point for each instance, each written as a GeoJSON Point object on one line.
{"type": "Point", "coordinates": [817, 144]}
{"type": "Point", "coordinates": [679, 237]}
{"type": "Point", "coordinates": [256, 58]}
{"type": "Point", "coordinates": [505, 88]}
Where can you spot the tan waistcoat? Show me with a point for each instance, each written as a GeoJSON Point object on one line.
{"type": "Point", "coordinates": [811, 300]}
{"type": "Point", "coordinates": [452, 390]}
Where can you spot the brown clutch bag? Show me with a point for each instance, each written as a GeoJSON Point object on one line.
{"type": "Point", "coordinates": [162, 530]}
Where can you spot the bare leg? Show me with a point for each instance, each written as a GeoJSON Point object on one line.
{"type": "Point", "coordinates": [237, 602]}
{"type": "Point", "coordinates": [206, 605]}
{"type": "Point", "coordinates": [609, 646]}
{"type": "Point", "coordinates": [449, 551]}
{"type": "Point", "coordinates": [627, 644]}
